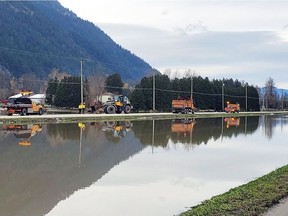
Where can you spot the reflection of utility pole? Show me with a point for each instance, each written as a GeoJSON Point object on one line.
{"type": "Point", "coordinates": [191, 133]}
{"type": "Point", "coordinates": [80, 145]}
{"type": "Point", "coordinates": [245, 125]}
{"type": "Point", "coordinates": [222, 120]}
{"type": "Point", "coordinates": [153, 134]}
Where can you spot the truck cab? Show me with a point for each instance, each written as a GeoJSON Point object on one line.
{"type": "Point", "coordinates": [23, 106]}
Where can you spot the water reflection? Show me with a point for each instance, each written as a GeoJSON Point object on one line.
{"type": "Point", "coordinates": [181, 131]}
{"type": "Point", "coordinates": [23, 133]}
{"type": "Point", "coordinates": [191, 131]}
{"type": "Point", "coordinates": [232, 122]}
{"type": "Point", "coordinates": [66, 160]}
{"type": "Point", "coordinates": [62, 162]}
{"type": "Point", "coordinates": [115, 130]}
{"type": "Point", "coordinates": [269, 124]}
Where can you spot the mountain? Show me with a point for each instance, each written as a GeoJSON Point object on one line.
{"type": "Point", "coordinates": [279, 92]}
{"type": "Point", "coordinates": [38, 36]}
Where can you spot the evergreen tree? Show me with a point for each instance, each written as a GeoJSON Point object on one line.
{"type": "Point", "coordinates": [114, 84]}
{"type": "Point", "coordinates": [163, 93]}
{"type": "Point", "coordinates": [51, 90]}
{"type": "Point", "coordinates": [206, 94]}
{"type": "Point", "coordinates": [68, 93]}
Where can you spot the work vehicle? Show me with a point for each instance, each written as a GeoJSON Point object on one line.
{"type": "Point", "coordinates": [235, 122]}
{"type": "Point", "coordinates": [182, 105]}
{"type": "Point", "coordinates": [182, 127]}
{"type": "Point", "coordinates": [118, 129]}
{"type": "Point", "coordinates": [23, 132]}
{"type": "Point", "coordinates": [232, 108]}
{"type": "Point", "coordinates": [25, 103]}
{"type": "Point", "coordinates": [117, 104]}
{"type": "Point", "coordinates": [23, 106]}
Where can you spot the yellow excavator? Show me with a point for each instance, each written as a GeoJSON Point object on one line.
{"type": "Point", "coordinates": [118, 104]}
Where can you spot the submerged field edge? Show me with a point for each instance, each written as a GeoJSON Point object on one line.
{"type": "Point", "coordinates": [71, 118]}
{"type": "Point", "coordinates": [253, 198]}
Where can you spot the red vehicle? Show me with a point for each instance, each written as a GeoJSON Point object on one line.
{"type": "Point", "coordinates": [3, 101]}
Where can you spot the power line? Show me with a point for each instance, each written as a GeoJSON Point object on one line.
{"type": "Point", "coordinates": [91, 61]}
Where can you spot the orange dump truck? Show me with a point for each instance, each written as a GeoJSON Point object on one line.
{"type": "Point", "coordinates": [232, 108]}
{"type": "Point", "coordinates": [183, 106]}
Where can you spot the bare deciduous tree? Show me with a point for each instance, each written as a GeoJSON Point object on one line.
{"type": "Point", "coordinates": [55, 73]}
{"type": "Point", "coordinates": [96, 84]}
{"type": "Point", "coordinates": [30, 81]}
{"type": "Point", "coordinates": [270, 94]}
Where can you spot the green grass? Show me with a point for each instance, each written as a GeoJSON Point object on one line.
{"type": "Point", "coordinates": [253, 198]}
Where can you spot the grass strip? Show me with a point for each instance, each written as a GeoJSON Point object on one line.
{"type": "Point", "coordinates": [253, 198]}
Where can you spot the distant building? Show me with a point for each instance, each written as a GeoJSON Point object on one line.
{"type": "Point", "coordinates": [37, 98]}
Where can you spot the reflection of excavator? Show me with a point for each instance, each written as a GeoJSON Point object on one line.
{"type": "Point", "coordinates": [182, 126]}
{"type": "Point", "coordinates": [24, 132]}
{"type": "Point", "coordinates": [232, 122]}
{"type": "Point", "coordinates": [118, 128]}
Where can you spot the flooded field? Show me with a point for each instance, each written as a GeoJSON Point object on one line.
{"type": "Point", "coordinates": [154, 168]}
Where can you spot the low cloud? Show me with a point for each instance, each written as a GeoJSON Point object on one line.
{"type": "Point", "coordinates": [192, 28]}
{"type": "Point", "coordinates": [248, 56]}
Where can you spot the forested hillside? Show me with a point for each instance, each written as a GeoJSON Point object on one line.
{"type": "Point", "coordinates": [38, 36]}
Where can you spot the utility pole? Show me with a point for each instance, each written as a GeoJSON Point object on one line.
{"type": "Point", "coordinates": [223, 96]}
{"type": "Point", "coordinates": [81, 78]}
{"type": "Point", "coordinates": [191, 88]}
{"type": "Point", "coordinates": [282, 100]}
{"type": "Point", "coordinates": [246, 96]}
{"type": "Point", "coordinates": [153, 90]}
{"type": "Point", "coordinates": [263, 106]}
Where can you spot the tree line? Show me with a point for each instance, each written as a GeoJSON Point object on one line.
{"type": "Point", "coordinates": [207, 95]}
{"type": "Point", "coordinates": [63, 90]}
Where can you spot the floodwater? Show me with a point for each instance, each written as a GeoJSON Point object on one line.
{"type": "Point", "coordinates": [155, 168]}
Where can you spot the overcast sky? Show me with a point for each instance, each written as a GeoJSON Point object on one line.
{"type": "Point", "coordinates": [244, 40]}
